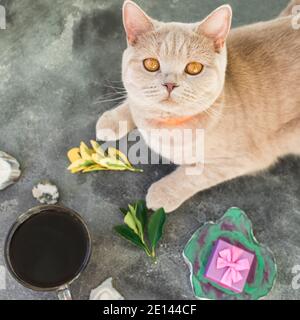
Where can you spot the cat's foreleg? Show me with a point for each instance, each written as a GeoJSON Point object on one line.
{"type": "Point", "coordinates": [171, 191]}
{"type": "Point", "coordinates": [289, 9]}
{"type": "Point", "coordinates": [115, 124]}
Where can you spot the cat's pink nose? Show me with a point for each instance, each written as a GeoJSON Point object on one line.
{"type": "Point", "coordinates": [170, 86]}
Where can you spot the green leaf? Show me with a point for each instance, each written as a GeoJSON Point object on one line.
{"type": "Point", "coordinates": [140, 231]}
{"type": "Point", "coordinates": [137, 224]}
{"type": "Point", "coordinates": [129, 235]}
{"type": "Point", "coordinates": [155, 227]}
{"type": "Point", "coordinates": [136, 218]}
{"type": "Point", "coordinates": [141, 213]}
{"type": "Point", "coordinates": [130, 220]}
{"type": "Point", "coordinates": [124, 211]}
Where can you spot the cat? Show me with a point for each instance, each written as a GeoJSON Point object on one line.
{"type": "Point", "coordinates": [240, 86]}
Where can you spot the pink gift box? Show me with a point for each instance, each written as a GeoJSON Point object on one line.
{"type": "Point", "coordinates": [229, 266]}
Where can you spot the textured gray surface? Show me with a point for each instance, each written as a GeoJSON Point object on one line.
{"type": "Point", "coordinates": [55, 59]}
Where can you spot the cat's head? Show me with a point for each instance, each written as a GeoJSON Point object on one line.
{"type": "Point", "coordinates": [174, 69]}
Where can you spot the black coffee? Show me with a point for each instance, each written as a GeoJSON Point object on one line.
{"type": "Point", "coordinates": [49, 249]}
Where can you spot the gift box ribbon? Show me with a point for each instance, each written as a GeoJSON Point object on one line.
{"type": "Point", "coordinates": [229, 259]}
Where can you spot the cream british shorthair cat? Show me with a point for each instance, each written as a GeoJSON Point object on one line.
{"type": "Point", "coordinates": [240, 86]}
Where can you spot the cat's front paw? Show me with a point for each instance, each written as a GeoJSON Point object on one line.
{"type": "Point", "coordinates": [107, 127]}
{"type": "Point", "coordinates": [161, 195]}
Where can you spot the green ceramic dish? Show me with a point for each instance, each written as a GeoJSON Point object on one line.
{"type": "Point", "coordinates": [236, 228]}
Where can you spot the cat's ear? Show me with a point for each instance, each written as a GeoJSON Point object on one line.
{"type": "Point", "coordinates": [217, 26]}
{"type": "Point", "coordinates": [135, 21]}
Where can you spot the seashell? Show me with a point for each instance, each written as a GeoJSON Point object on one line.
{"type": "Point", "coordinates": [9, 170]}
{"type": "Point", "coordinates": [46, 192]}
{"type": "Point", "coordinates": [105, 292]}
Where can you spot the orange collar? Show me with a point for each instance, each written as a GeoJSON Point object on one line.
{"type": "Point", "coordinates": [174, 121]}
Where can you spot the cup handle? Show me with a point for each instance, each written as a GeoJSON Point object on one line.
{"type": "Point", "coordinates": [64, 293]}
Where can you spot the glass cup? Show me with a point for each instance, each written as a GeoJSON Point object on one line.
{"type": "Point", "coordinates": [46, 239]}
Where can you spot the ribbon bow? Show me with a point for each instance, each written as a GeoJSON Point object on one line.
{"type": "Point", "coordinates": [228, 258]}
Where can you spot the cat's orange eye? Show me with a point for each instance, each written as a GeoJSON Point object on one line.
{"type": "Point", "coordinates": [194, 68]}
{"type": "Point", "coordinates": [151, 64]}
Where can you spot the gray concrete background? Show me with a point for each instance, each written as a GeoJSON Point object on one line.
{"type": "Point", "coordinates": [55, 58]}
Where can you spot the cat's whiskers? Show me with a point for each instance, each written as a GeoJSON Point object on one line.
{"type": "Point", "coordinates": [188, 90]}
{"type": "Point", "coordinates": [212, 113]}
{"type": "Point", "coordinates": [110, 95]}
{"type": "Point", "coordinates": [190, 97]}
{"type": "Point", "coordinates": [115, 92]}
{"type": "Point", "coordinates": [151, 96]}
{"type": "Point", "coordinates": [110, 100]}
{"type": "Point", "coordinates": [114, 81]}
{"type": "Point", "coordinates": [151, 92]}
{"type": "Point", "coordinates": [150, 89]}
{"type": "Point", "coordinates": [188, 93]}
{"type": "Point", "coordinates": [208, 113]}
{"type": "Point", "coordinates": [114, 87]}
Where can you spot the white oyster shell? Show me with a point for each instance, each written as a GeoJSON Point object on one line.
{"type": "Point", "coordinates": [9, 170]}
{"type": "Point", "coordinates": [46, 192]}
{"type": "Point", "coordinates": [105, 292]}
